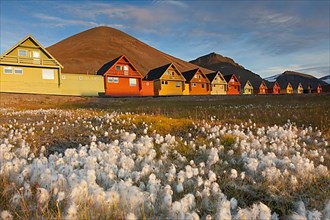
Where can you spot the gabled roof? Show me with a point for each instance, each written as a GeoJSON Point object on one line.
{"type": "Point", "coordinates": [228, 77]}
{"type": "Point", "coordinates": [36, 42]}
{"type": "Point", "coordinates": [113, 62]}
{"type": "Point", "coordinates": [159, 71]}
{"type": "Point", "coordinates": [211, 76]}
{"type": "Point", "coordinates": [188, 75]}
{"type": "Point", "coordinates": [248, 83]}
{"type": "Point", "coordinates": [263, 84]}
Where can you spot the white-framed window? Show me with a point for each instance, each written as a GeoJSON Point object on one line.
{"type": "Point", "coordinates": [48, 74]}
{"type": "Point", "coordinates": [193, 84]}
{"type": "Point", "coordinates": [132, 82]}
{"type": "Point", "coordinates": [164, 82]}
{"type": "Point", "coordinates": [178, 84]}
{"type": "Point", "coordinates": [18, 71]}
{"type": "Point", "coordinates": [35, 54]}
{"type": "Point", "coordinates": [118, 67]}
{"type": "Point", "coordinates": [8, 70]}
{"type": "Point", "coordinates": [110, 80]}
{"type": "Point", "coordinates": [115, 80]}
{"type": "Point", "coordinates": [22, 53]}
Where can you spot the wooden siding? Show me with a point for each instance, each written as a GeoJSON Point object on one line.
{"type": "Point", "coordinates": [248, 88]}
{"type": "Point", "coordinates": [147, 88]}
{"type": "Point", "coordinates": [218, 86]}
{"type": "Point", "coordinates": [234, 86]}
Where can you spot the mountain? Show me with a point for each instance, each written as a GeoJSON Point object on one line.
{"type": "Point", "coordinates": [226, 66]}
{"type": "Point", "coordinates": [295, 78]}
{"type": "Point", "coordinates": [86, 52]}
{"type": "Point", "coordinates": [326, 79]}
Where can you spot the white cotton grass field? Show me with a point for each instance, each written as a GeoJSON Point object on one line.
{"type": "Point", "coordinates": [85, 164]}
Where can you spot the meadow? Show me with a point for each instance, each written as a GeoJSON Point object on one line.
{"type": "Point", "coordinates": [214, 157]}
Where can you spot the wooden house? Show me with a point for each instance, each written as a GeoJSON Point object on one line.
{"type": "Point", "coordinates": [308, 88]}
{"type": "Point", "coordinates": [234, 86]}
{"type": "Point", "coordinates": [299, 89]}
{"type": "Point", "coordinates": [273, 88]}
{"type": "Point", "coordinates": [121, 78]}
{"type": "Point", "coordinates": [288, 89]}
{"type": "Point", "coordinates": [218, 83]}
{"type": "Point", "coordinates": [196, 82]}
{"type": "Point", "coordinates": [318, 89]}
{"type": "Point", "coordinates": [28, 67]}
{"type": "Point", "coordinates": [167, 80]}
{"type": "Point", "coordinates": [248, 88]}
{"type": "Point", "coordinates": [262, 88]}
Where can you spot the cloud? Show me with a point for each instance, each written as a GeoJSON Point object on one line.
{"type": "Point", "coordinates": [62, 22]}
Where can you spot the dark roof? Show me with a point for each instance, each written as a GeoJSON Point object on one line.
{"type": "Point", "coordinates": [188, 75]}
{"type": "Point", "coordinates": [228, 77]}
{"type": "Point", "coordinates": [211, 76]}
{"type": "Point", "coordinates": [270, 84]}
{"type": "Point", "coordinates": [157, 72]}
{"type": "Point", "coordinates": [107, 66]}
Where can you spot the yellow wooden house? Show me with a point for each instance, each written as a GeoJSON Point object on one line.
{"type": "Point", "coordinates": [299, 89]}
{"type": "Point", "coordinates": [218, 83]}
{"type": "Point", "coordinates": [167, 79]}
{"type": "Point", "coordinates": [28, 67]}
{"type": "Point", "coordinates": [288, 89]}
{"type": "Point", "coordinates": [248, 88]}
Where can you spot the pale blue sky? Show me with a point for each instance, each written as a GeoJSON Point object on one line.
{"type": "Point", "coordinates": [267, 37]}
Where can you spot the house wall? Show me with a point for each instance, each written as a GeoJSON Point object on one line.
{"type": "Point", "coordinates": [31, 80]}
{"type": "Point", "coordinates": [248, 90]}
{"type": "Point", "coordinates": [147, 88]}
{"type": "Point", "coordinates": [233, 89]}
{"type": "Point", "coordinates": [122, 87]}
{"type": "Point", "coordinates": [218, 89]}
{"type": "Point", "coordinates": [198, 89]}
{"type": "Point", "coordinates": [186, 90]}
{"type": "Point", "coordinates": [81, 84]}
{"type": "Point", "coordinates": [169, 87]}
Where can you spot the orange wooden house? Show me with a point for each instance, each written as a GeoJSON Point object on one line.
{"type": "Point", "coordinates": [318, 89]}
{"type": "Point", "coordinates": [262, 88]}
{"type": "Point", "coordinates": [234, 86]}
{"type": "Point", "coordinates": [273, 88]}
{"type": "Point", "coordinates": [197, 82]}
{"type": "Point", "coordinates": [121, 78]}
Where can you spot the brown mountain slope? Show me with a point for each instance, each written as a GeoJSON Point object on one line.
{"type": "Point", "coordinates": [87, 51]}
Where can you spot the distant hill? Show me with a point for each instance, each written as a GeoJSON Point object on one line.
{"type": "Point", "coordinates": [295, 78]}
{"type": "Point", "coordinates": [87, 51]}
{"type": "Point", "coordinates": [326, 79]}
{"type": "Point", "coordinates": [227, 66]}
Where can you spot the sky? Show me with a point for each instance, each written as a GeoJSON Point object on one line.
{"type": "Point", "coordinates": [266, 37]}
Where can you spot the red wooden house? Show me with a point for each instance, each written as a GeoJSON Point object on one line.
{"type": "Point", "coordinates": [273, 88]}
{"type": "Point", "coordinates": [234, 86]}
{"type": "Point", "coordinates": [319, 89]}
{"type": "Point", "coordinates": [197, 82]}
{"type": "Point", "coordinates": [121, 78]}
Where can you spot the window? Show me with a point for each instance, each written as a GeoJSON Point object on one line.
{"type": "Point", "coordinates": [22, 53]}
{"type": "Point", "coordinates": [173, 73]}
{"type": "Point", "coordinates": [8, 70]}
{"type": "Point", "coordinates": [110, 79]}
{"type": "Point", "coordinates": [213, 85]}
{"type": "Point", "coordinates": [132, 82]}
{"type": "Point", "coordinates": [125, 70]}
{"type": "Point", "coordinates": [178, 84]}
{"type": "Point", "coordinates": [203, 85]}
{"type": "Point", "coordinates": [48, 74]}
{"type": "Point", "coordinates": [36, 54]}
{"type": "Point", "coordinates": [199, 76]}
{"type": "Point", "coordinates": [193, 84]}
{"type": "Point", "coordinates": [164, 82]}
{"type": "Point", "coordinates": [195, 76]}
{"type": "Point", "coordinates": [115, 80]}
{"type": "Point", "coordinates": [18, 71]}
{"type": "Point", "coordinates": [118, 67]}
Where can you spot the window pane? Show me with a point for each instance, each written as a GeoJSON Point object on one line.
{"type": "Point", "coordinates": [18, 71]}
{"type": "Point", "coordinates": [118, 67]}
{"type": "Point", "coordinates": [115, 79]}
{"type": "Point", "coordinates": [22, 53]}
{"type": "Point", "coordinates": [132, 82]}
{"type": "Point", "coordinates": [48, 74]}
{"type": "Point", "coordinates": [178, 84]}
{"type": "Point", "coordinates": [110, 80]}
{"type": "Point", "coordinates": [8, 70]}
